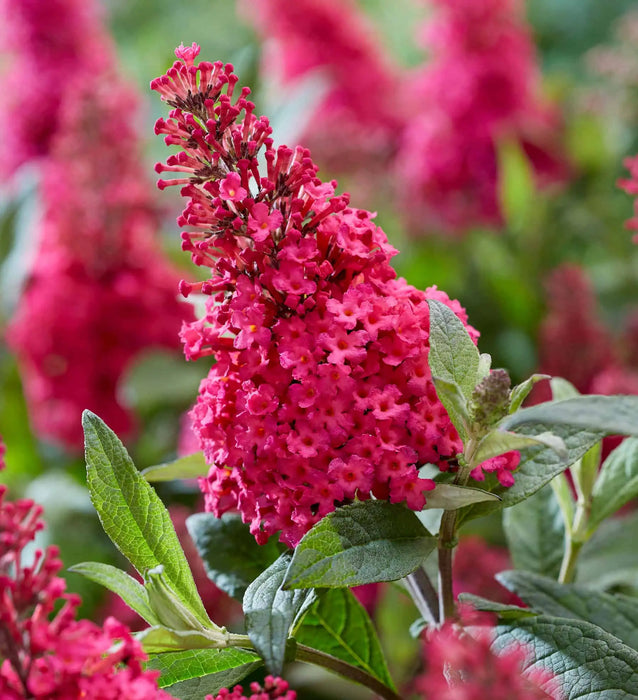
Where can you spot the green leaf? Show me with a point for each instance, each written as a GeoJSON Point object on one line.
{"type": "Point", "coordinates": [617, 615]}
{"type": "Point", "coordinates": [588, 663]}
{"type": "Point", "coordinates": [452, 398]}
{"type": "Point", "coordinates": [617, 482]}
{"type": "Point", "coordinates": [536, 533]}
{"type": "Point", "coordinates": [562, 389]}
{"type": "Point", "coordinates": [451, 497]}
{"type": "Point", "coordinates": [159, 639]}
{"type": "Point", "coordinates": [361, 543]}
{"type": "Point", "coordinates": [132, 592]}
{"type": "Point", "coordinates": [521, 391]}
{"type": "Point", "coordinates": [189, 467]}
{"type": "Point", "coordinates": [453, 356]}
{"type": "Point", "coordinates": [497, 442]}
{"type": "Point", "coordinates": [191, 674]}
{"type": "Point", "coordinates": [610, 415]}
{"type": "Point", "coordinates": [337, 624]}
{"type": "Point", "coordinates": [232, 558]}
{"type": "Point", "coordinates": [610, 557]}
{"type": "Point", "coordinates": [515, 183]}
{"type": "Point", "coordinates": [504, 612]}
{"type": "Point", "coordinates": [538, 466]}
{"type": "Point", "coordinates": [271, 611]}
{"type": "Point", "coordinates": [132, 514]}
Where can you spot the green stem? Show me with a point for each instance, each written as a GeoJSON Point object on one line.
{"type": "Point", "coordinates": [576, 538]}
{"type": "Point", "coordinates": [447, 542]}
{"type": "Point", "coordinates": [331, 663]}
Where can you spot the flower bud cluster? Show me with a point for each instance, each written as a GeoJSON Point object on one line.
{"type": "Point", "coordinates": [321, 391]}
{"type": "Point", "coordinates": [272, 688]}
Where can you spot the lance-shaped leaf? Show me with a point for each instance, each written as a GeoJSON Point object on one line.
{"type": "Point", "coordinates": [504, 612]}
{"type": "Point", "coordinates": [451, 497]}
{"type": "Point", "coordinates": [188, 467]}
{"type": "Point", "coordinates": [365, 542]}
{"type": "Point", "coordinates": [451, 396]}
{"type": "Point", "coordinates": [190, 675]}
{"type": "Point", "coordinates": [521, 391]}
{"type": "Point", "coordinates": [453, 356]}
{"type": "Point", "coordinates": [538, 466]}
{"type": "Point", "coordinates": [132, 514]}
{"type": "Point", "coordinates": [497, 442]}
{"type": "Point", "coordinates": [610, 557]}
{"type": "Point", "coordinates": [131, 591]}
{"type": "Point", "coordinates": [338, 625]}
{"type": "Point", "coordinates": [617, 482]}
{"type": "Point", "coordinates": [271, 612]}
{"type": "Point", "coordinates": [232, 558]}
{"type": "Point", "coordinates": [606, 414]}
{"type": "Point", "coordinates": [616, 614]}
{"type": "Point", "coordinates": [535, 533]}
{"type": "Point", "coordinates": [588, 663]}
{"type": "Point", "coordinates": [159, 639]}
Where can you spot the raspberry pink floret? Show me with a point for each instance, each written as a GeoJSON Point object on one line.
{"type": "Point", "coordinates": [321, 391]}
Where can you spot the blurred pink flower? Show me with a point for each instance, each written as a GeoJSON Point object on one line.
{"type": "Point", "coordinates": [462, 665]}
{"type": "Point", "coordinates": [357, 121]}
{"type": "Point", "coordinates": [46, 652]}
{"type": "Point", "coordinates": [482, 85]}
{"type": "Point", "coordinates": [99, 273]}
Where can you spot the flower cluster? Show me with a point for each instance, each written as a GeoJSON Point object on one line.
{"type": "Point", "coordinates": [482, 85]}
{"type": "Point", "coordinates": [321, 392]}
{"type": "Point", "coordinates": [272, 688]}
{"type": "Point", "coordinates": [461, 664]}
{"type": "Point", "coordinates": [98, 273]}
{"type": "Point", "coordinates": [358, 119]}
{"type": "Point", "coordinates": [46, 652]}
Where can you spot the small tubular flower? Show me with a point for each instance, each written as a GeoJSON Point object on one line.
{"type": "Point", "coordinates": [314, 337]}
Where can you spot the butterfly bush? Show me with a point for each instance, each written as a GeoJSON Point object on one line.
{"type": "Point", "coordinates": [482, 84]}
{"type": "Point", "coordinates": [35, 56]}
{"type": "Point", "coordinates": [47, 653]}
{"type": "Point", "coordinates": [321, 391]}
{"type": "Point", "coordinates": [357, 122]}
{"type": "Point", "coordinates": [462, 664]}
{"type": "Point", "coordinates": [98, 274]}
